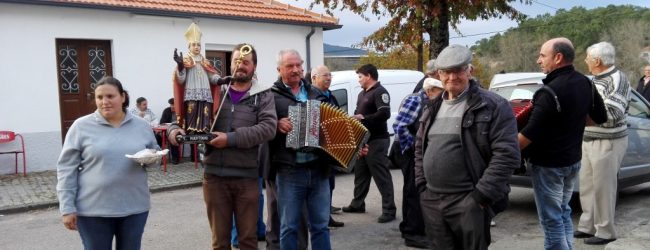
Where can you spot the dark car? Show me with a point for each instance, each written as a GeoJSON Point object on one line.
{"type": "Point", "coordinates": [635, 168]}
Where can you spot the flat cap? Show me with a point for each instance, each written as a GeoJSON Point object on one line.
{"type": "Point", "coordinates": [432, 83]}
{"type": "Point", "coordinates": [453, 56]}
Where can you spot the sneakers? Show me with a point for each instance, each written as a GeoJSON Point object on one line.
{"type": "Point", "coordinates": [351, 209]}
{"type": "Point", "coordinates": [385, 218]}
{"type": "Point", "coordinates": [597, 241]}
{"type": "Point", "coordinates": [581, 235]}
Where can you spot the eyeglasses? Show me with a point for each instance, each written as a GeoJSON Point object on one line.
{"type": "Point", "coordinates": [454, 71]}
{"type": "Point", "coordinates": [327, 75]}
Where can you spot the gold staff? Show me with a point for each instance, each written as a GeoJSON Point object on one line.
{"type": "Point", "coordinates": [243, 51]}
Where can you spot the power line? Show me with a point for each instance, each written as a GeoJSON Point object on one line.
{"type": "Point", "coordinates": [543, 4]}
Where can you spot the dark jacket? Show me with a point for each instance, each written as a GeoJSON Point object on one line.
{"type": "Point", "coordinates": [249, 123]}
{"type": "Point", "coordinates": [281, 156]}
{"type": "Point", "coordinates": [489, 141]}
{"type": "Point", "coordinates": [643, 90]}
{"type": "Point", "coordinates": [167, 116]}
{"type": "Point", "coordinates": [556, 137]}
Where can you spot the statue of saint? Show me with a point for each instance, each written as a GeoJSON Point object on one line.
{"type": "Point", "coordinates": [195, 86]}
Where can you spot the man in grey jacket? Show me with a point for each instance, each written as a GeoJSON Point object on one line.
{"type": "Point", "coordinates": [230, 184]}
{"type": "Point", "coordinates": [465, 151]}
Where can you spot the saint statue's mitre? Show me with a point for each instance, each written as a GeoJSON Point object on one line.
{"type": "Point", "coordinates": [193, 34]}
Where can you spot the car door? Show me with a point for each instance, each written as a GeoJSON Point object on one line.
{"type": "Point", "coordinates": [635, 168]}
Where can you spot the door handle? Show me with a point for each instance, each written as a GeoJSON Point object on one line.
{"type": "Point", "coordinates": [89, 96]}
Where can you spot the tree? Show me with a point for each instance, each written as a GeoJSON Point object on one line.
{"type": "Point", "coordinates": [410, 19]}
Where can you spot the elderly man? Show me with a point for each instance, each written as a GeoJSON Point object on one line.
{"type": "Point", "coordinates": [321, 78]}
{"type": "Point", "coordinates": [603, 148]}
{"type": "Point", "coordinates": [553, 137]}
{"type": "Point", "coordinates": [465, 152]}
{"type": "Point", "coordinates": [644, 83]}
{"type": "Point", "coordinates": [302, 176]}
{"type": "Point", "coordinates": [402, 155]}
{"type": "Point", "coordinates": [230, 184]}
{"type": "Point", "coordinates": [429, 72]}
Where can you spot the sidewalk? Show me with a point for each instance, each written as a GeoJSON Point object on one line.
{"type": "Point", "coordinates": [38, 189]}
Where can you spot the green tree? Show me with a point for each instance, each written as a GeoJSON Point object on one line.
{"type": "Point", "coordinates": [409, 20]}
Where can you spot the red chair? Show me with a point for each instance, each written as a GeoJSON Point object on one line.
{"type": "Point", "coordinates": [10, 136]}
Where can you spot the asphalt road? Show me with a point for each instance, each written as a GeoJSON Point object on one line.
{"type": "Point", "coordinates": [177, 221]}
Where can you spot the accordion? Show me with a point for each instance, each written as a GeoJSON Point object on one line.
{"type": "Point", "coordinates": [323, 126]}
{"type": "Point", "coordinates": [522, 109]}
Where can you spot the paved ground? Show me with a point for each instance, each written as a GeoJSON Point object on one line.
{"type": "Point", "coordinates": [38, 189]}
{"type": "Point", "coordinates": [517, 228]}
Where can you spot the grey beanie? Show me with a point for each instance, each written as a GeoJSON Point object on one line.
{"type": "Point", "coordinates": [453, 56]}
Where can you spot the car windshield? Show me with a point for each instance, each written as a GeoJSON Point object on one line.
{"type": "Point", "coordinates": [517, 92]}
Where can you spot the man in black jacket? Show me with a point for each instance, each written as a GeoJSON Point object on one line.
{"type": "Point", "coordinates": [168, 116]}
{"type": "Point", "coordinates": [553, 138]}
{"type": "Point", "coordinates": [373, 110]}
{"type": "Point", "coordinates": [644, 83]}
{"type": "Point", "coordinates": [465, 152]}
{"type": "Point", "coordinates": [302, 176]}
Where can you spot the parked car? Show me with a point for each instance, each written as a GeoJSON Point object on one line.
{"type": "Point", "coordinates": [635, 168]}
{"type": "Point", "coordinates": [399, 83]}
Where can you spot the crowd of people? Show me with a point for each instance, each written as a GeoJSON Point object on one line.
{"type": "Point", "coordinates": [456, 144]}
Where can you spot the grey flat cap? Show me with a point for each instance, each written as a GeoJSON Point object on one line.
{"type": "Point", "coordinates": [453, 56]}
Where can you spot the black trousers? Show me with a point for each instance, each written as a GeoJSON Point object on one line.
{"type": "Point", "coordinates": [455, 221]}
{"type": "Point", "coordinates": [374, 165]}
{"type": "Point", "coordinates": [412, 222]}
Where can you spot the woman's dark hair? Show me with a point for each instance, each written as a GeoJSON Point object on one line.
{"type": "Point", "coordinates": [117, 84]}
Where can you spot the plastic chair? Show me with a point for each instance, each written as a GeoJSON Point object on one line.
{"type": "Point", "coordinates": [10, 136]}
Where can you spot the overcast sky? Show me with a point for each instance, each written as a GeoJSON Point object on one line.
{"type": "Point", "coordinates": [355, 28]}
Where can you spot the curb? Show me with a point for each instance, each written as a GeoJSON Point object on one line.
{"type": "Point", "coordinates": [54, 204]}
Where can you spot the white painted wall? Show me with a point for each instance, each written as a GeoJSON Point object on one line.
{"type": "Point", "coordinates": [142, 48]}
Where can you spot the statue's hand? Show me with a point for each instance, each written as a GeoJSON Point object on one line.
{"type": "Point", "coordinates": [179, 60]}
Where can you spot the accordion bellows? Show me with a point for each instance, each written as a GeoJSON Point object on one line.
{"type": "Point", "coordinates": [321, 125]}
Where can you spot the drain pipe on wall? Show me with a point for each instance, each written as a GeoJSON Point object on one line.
{"type": "Point", "coordinates": [308, 53]}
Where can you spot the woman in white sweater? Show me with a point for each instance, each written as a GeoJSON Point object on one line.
{"type": "Point", "coordinates": [103, 194]}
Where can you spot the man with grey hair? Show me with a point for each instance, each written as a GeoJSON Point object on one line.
{"type": "Point", "coordinates": [429, 72]}
{"type": "Point", "coordinates": [302, 177]}
{"type": "Point", "coordinates": [603, 148]}
{"type": "Point", "coordinates": [553, 137]}
{"type": "Point", "coordinates": [465, 152]}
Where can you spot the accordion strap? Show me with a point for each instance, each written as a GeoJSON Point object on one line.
{"type": "Point", "coordinates": [552, 93]}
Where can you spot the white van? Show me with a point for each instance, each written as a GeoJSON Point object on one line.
{"type": "Point", "coordinates": [399, 83]}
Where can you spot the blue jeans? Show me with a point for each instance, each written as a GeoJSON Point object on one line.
{"type": "Point", "coordinates": [97, 232]}
{"type": "Point", "coordinates": [261, 227]}
{"type": "Point", "coordinates": [553, 188]}
{"type": "Point", "coordinates": [297, 185]}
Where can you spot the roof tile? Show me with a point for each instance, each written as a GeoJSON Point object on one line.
{"type": "Point", "coordinates": [271, 10]}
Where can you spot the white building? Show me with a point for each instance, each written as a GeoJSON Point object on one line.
{"type": "Point", "coordinates": [53, 51]}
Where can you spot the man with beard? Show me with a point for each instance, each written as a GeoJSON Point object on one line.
{"type": "Point", "coordinates": [230, 184]}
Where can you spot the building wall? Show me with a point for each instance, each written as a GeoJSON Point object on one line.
{"type": "Point", "coordinates": [142, 48]}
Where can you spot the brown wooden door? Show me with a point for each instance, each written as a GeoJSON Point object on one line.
{"type": "Point", "coordinates": [80, 65]}
{"type": "Point", "coordinates": [219, 60]}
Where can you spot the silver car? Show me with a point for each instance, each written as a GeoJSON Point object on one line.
{"type": "Point", "coordinates": [635, 168]}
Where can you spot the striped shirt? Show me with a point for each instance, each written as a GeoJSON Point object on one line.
{"type": "Point", "coordinates": [614, 87]}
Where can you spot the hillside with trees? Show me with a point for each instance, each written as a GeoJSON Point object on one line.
{"type": "Point", "coordinates": [626, 27]}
